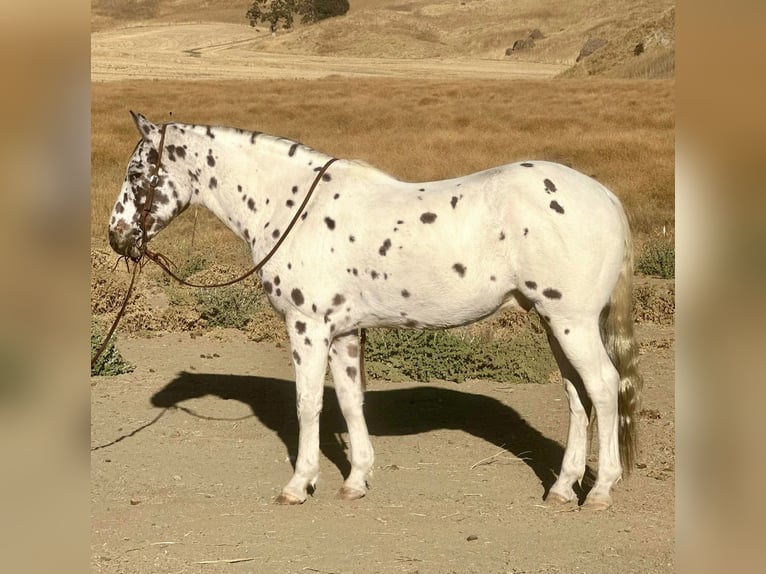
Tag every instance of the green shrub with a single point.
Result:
(658, 258)
(194, 264)
(231, 306)
(399, 355)
(110, 362)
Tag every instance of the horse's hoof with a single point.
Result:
(596, 504)
(348, 493)
(556, 499)
(287, 498)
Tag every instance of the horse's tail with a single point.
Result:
(620, 344)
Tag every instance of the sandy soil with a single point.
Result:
(189, 451)
(205, 51)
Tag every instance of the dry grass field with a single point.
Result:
(620, 132)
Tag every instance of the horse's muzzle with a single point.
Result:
(123, 241)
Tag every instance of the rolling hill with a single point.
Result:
(635, 38)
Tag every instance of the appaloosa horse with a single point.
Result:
(369, 250)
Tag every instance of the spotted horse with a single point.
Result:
(369, 250)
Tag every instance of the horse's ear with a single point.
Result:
(145, 127)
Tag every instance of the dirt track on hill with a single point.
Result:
(209, 51)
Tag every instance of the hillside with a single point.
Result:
(477, 29)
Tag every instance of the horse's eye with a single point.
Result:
(154, 180)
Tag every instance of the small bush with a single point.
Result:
(658, 258)
(193, 265)
(110, 362)
(231, 306)
(424, 355)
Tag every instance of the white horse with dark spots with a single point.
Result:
(369, 250)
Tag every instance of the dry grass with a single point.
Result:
(621, 132)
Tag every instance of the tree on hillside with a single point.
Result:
(273, 11)
(284, 11)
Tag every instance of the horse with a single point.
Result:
(370, 250)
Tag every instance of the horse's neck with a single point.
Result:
(256, 182)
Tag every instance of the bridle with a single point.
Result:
(154, 181)
(164, 262)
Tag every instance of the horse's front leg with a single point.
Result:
(310, 343)
(345, 354)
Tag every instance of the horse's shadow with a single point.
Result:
(391, 412)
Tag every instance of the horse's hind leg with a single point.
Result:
(347, 374)
(575, 454)
(582, 346)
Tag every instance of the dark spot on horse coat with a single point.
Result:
(277, 280)
(351, 372)
(405, 293)
(327, 177)
(330, 223)
(459, 269)
(453, 201)
(210, 158)
(267, 287)
(293, 147)
(300, 327)
(119, 208)
(275, 234)
(289, 203)
(181, 152)
(374, 274)
(531, 284)
(351, 238)
(549, 185)
(338, 299)
(502, 235)
(552, 293)
(526, 164)
(556, 207)
(297, 357)
(526, 230)
(209, 133)
(251, 204)
(428, 217)
(295, 189)
(385, 247)
(193, 175)
(353, 350)
(297, 296)
(566, 331)
(307, 342)
(213, 183)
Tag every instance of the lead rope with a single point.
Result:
(162, 261)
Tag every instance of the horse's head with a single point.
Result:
(149, 197)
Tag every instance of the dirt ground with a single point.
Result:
(189, 451)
